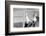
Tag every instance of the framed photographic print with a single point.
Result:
(24, 17)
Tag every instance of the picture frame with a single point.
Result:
(13, 9)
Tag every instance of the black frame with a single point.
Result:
(7, 3)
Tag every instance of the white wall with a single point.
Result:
(2, 17)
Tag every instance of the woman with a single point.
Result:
(28, 21)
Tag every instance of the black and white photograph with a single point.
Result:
(24, 17)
